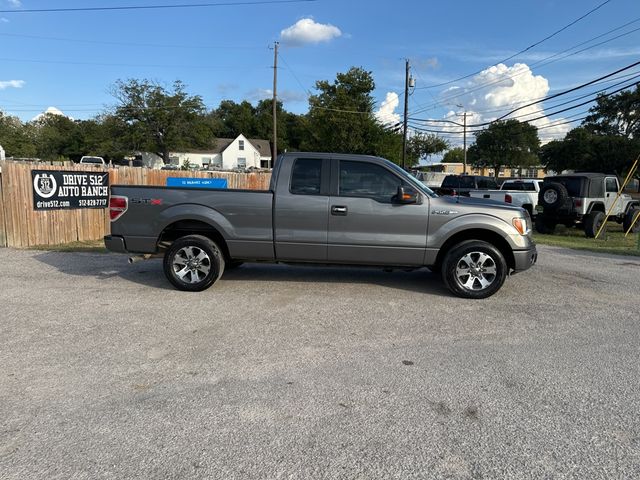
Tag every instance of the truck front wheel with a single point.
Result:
(474, 269)
(193, 263)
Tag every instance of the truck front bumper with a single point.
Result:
(525, 259)
(115, 244)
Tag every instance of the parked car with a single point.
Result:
(584, 199)
(324, 208)
(519, 192)
(463, 184)
(91, 160)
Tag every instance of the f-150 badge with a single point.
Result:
(443, 212)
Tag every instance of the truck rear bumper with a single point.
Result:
(525, 259)
(115, 243)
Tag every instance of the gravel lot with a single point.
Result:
(303, 373)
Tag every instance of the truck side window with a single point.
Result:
(359, 179)
(612, 185)
(306, 176)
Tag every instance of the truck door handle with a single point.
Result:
(338, 210)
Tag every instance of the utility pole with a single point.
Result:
(406, 113)
(464, 142)
(274, 154)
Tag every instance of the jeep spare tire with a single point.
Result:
(553, 195)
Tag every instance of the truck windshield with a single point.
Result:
(411, 179)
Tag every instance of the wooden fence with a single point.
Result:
(22, 226)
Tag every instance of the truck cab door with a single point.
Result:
(367, 224)
(301, 209)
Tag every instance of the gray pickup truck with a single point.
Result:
(327, 209)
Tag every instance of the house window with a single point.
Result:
(206, 161)
(217, 162)
(532, 173)
(240, 144)
(242, 162)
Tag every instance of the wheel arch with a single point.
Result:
(184, 227)
(596, 207)
(488, 236)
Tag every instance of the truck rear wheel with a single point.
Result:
(193, 263)
(474, 269)
(592, 223)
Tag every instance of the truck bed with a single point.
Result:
(245, 217)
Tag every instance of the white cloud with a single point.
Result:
(4, 20)
(307, 31)
(495, 92)
(15, 3)
(4, 84)
(386, 113)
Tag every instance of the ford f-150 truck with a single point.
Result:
(324, 208)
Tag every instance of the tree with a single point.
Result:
(422, 145)
(16, 138)
(617, 115)
(583, 150)
(341, 115)
(455, 155)
(56, 136)
(161, 120)
(507, 143)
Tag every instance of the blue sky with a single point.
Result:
(70, 60)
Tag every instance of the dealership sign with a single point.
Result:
(60, 189)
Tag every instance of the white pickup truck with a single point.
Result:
(519, 192)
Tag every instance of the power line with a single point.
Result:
(572, 89)
(495, 122)
(154, 7)
(540, 63)
(127, 44)
(590, 94)
(105, 64)
(525, 49)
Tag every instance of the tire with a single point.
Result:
(202, 254)
(629, 218)
(553, 195)
(592, 223)
(474, 269)
(544, 225)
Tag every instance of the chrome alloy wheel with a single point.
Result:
(191, 264)
(476, 271)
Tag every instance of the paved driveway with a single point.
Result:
(292, 372)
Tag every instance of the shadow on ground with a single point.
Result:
(149, 273)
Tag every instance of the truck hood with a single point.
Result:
(479, 202)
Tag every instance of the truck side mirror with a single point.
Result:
(404, 198)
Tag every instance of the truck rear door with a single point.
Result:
(365, 225)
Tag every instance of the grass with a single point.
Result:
(93, 246)
(612, 240)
